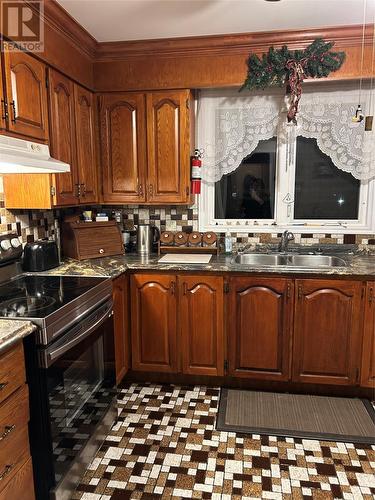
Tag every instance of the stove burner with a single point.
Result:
(25, 306)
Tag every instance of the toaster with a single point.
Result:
(40, 255)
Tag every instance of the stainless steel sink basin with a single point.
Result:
(260, 259)
(307, 261)
(315, 261)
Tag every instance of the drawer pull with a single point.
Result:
(3, 385)
(6, 471)
(8, 429)
(101, 250)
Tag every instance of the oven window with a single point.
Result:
(80, 389)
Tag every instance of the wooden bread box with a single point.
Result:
(89, 240)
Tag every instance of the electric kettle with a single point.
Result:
(147, 236)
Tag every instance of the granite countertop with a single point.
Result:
(11, 331)
(358, 265)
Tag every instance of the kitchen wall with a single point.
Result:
(32, 225)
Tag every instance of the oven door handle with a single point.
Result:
(59, 351)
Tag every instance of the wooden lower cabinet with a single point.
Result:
(154, 322)
(121, 326)
(368, 349)
(16, 473)
(177, 324)
(259, 327)
(201, 305)
(275, 329)
(327, 331)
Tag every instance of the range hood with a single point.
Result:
(18, 156)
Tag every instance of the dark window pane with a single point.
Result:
(249, 191)
(322, 191)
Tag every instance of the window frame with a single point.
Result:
(284, 211)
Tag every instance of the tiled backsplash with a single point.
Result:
(40, 224)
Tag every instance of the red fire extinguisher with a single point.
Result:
(196, 178)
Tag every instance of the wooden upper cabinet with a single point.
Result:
(26, 94)
(123, 140)
(201, 324)
(259, 327)
(3, 102)
(168, 146)
(62, 137)
(327, 332)
(368, 350)
(153, 322)
(86, 154)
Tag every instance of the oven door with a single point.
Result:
(78, 373)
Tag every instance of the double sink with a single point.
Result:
(291, 260)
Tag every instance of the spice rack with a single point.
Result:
(181, 242)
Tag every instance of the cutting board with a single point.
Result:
(185, 258)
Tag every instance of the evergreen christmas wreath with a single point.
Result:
(286, 67)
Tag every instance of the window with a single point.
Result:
(249, 191)
(322, 191)
(268, 192)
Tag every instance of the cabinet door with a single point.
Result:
(85, 133)
(120, 310)
(3, 102)
(201, 325)
(368, 351)
(27, 95)
(123, 142)
(153, 322)
(62, 136)
(168, 146)
(327, 331)
(259, 327)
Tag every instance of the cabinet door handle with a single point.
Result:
(8, 429)
(184, 288)
(300, 292)
(3, 385)
(14, 114)
(101, 250)
(151, 190)
(173, 287)
(4, 109)
(83, 190)
(6, 471)
(371, 295)
(78, 190)
(140, 190)
(288, 291)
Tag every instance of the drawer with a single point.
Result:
(14, 435)
(20, 484)
(12, 371)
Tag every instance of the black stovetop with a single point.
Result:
(38, 296)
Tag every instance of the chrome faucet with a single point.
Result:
(284, 241)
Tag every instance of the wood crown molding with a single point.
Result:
(258, 42)
(62, 22)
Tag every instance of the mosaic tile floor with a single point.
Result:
(165, 445)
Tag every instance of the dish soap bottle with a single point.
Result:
(228, 242)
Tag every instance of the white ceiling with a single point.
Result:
(113, 20)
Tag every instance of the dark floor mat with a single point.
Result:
(349, 420)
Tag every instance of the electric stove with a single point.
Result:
(53, 303)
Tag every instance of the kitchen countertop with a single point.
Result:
(358, 265)
(11, 331)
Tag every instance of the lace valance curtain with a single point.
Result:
(230, 126)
